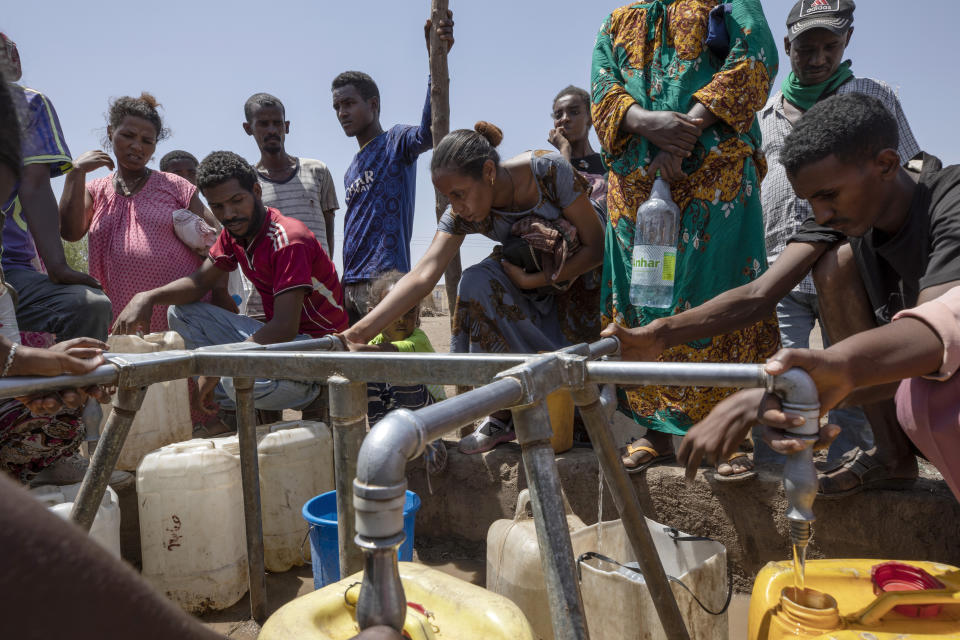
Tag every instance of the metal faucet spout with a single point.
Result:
(382, 601)
(799, 396)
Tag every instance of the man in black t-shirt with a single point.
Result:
(903, 226)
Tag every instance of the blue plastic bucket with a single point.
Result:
(321, 514)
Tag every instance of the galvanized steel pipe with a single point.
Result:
(348, 415)
(408, 368)
(549, 517)
(250, 478)
(380, 487)
(126, 403)
(596, 419)
(677, 374)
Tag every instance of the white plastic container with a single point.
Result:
(296, 464)
(616, 600)
(106, 525)
(164, 417)
(513, 564)
(191, 525)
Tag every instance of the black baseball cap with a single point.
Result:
(833, 15)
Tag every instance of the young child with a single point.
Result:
(403, 334)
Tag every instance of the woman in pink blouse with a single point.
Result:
(129, 213)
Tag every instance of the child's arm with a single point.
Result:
(379, 343)
(416, 342)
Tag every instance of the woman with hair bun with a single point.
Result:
(129, 213)
(539, 290)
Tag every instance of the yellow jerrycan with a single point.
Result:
(439, 607)
(856, 600)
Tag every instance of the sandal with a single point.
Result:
(733, 478)
(655, 457)
(870, 474)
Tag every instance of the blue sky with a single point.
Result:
(203, 59)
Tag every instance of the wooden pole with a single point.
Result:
(439, 127)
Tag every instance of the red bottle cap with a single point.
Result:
(898, 576)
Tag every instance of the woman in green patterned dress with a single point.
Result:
(663, 100)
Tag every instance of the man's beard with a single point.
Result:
(256, 222)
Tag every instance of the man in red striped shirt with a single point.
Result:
(297, 282)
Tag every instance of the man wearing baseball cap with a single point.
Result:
(818, 32)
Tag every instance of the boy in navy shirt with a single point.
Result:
(380, 183)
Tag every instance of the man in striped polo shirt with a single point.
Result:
(301, 188)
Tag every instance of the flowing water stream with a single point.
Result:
(799, 567)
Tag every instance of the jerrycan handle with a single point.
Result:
(885, 602)
(523, 501)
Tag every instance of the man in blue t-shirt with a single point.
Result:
(61, 301)
(380, 182)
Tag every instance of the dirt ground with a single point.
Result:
(437, 329)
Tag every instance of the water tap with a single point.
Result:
(799, 397)
(800, 487)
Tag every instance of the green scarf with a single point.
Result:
(805, 96)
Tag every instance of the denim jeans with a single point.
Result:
(797, 313)
(201, 324)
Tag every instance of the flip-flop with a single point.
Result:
(656, 457)
(735, 478)
(870, 473)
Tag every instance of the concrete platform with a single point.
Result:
(920, 523)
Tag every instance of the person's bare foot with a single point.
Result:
(738, 465)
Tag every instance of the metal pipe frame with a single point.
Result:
(348, 415)
(596, 412)
(532, 424)
(252, 515)
(380, 483)
(126, 403)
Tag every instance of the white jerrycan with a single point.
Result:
(513, 564)
(296, 463)
(191, 525)
(164, 417)
(106, 524)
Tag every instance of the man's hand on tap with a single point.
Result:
(717, 436)
(829, 369)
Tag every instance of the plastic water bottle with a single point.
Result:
(655, 249)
